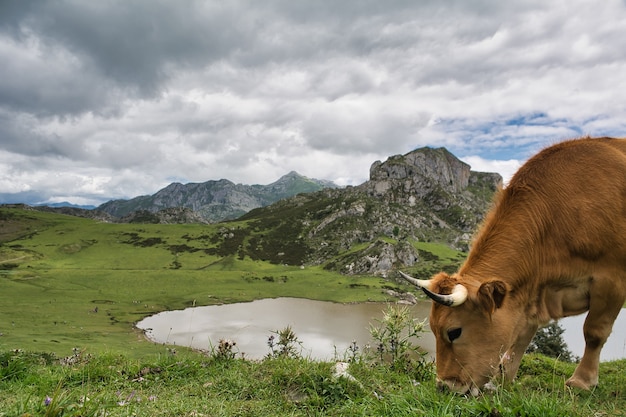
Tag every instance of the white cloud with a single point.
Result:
(113, 100)
(505, 168)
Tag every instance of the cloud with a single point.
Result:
(107, 99)
(505, 168)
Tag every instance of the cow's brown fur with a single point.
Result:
(553, 245)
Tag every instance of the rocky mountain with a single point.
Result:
(411, 203)
(214, 201)
(422, 196)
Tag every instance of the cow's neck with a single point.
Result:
(510, 245)
(519, 252)
(501, 252)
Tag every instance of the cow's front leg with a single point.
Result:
(603, 310)
(512, 358)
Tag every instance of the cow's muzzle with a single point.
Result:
(457, 387)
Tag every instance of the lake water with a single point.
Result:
(615, 347)
(325, 329)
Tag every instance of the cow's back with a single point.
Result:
(564, 208)
(578, 189)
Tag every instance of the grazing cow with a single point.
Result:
(553, 245)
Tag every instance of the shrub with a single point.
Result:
(549, 341)
(394, 335)
(285, 345)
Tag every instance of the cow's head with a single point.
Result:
(472, 329)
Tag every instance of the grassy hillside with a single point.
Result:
(72, 287)
(69, 281)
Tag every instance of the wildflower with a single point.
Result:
(47, 401)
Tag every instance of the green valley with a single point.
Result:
(72, 282)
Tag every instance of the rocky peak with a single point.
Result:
(419, 172)
(217, 200)
(427, 195)
(294, 183)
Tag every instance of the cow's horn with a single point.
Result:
(421, 283)
(458, 296)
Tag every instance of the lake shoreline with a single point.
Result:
(202, 327)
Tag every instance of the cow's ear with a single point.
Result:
(491, 295)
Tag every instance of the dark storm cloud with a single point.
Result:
(96, 53)
(20, 135)
(112, 98)
(88, 56)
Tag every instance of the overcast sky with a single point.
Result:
(114, 99)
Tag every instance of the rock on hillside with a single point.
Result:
(425, 195)
(437, 184)
(215, 201)
(419, 172)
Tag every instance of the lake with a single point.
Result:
(325, 329)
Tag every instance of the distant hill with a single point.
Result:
(71, 210)
(67, 204)
(427, 195)
(213, 201)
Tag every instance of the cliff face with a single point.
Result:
(442, 189)
(419, 172)
(426, 195)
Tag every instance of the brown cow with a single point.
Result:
(554, 245)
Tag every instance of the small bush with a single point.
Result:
(225, 350)
(394, 335)
(549, 341)
(285, 345)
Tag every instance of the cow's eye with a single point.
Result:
(454, 334)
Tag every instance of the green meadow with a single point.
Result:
(71, 290)
(72, 282)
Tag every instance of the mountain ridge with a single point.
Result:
(411, 201)
(215, 200)
(426, 195)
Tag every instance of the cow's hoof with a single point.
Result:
(579, 383)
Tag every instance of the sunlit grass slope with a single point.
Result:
(189, 384)
(72, 282)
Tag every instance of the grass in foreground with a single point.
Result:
(193, 384)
